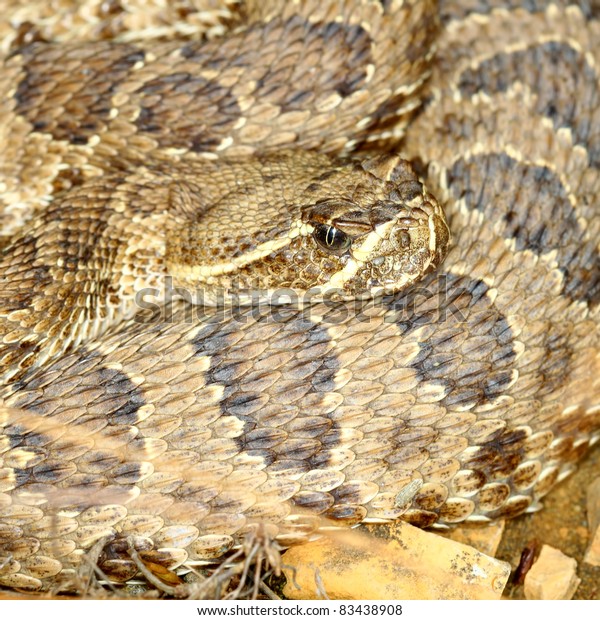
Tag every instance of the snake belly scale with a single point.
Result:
(178, 429)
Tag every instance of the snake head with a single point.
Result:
(384, 237)
(302, 226)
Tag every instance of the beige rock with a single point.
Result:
(592, 554)
(593, 504)
(485, 538)
(552, 577)
(417, 565)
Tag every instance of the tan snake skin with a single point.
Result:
(468, 396)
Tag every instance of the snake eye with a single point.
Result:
(331, 239)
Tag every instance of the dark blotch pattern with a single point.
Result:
(500, 457)
(459, 306)
(532, 206)
(118, 412)
(453, 9)
(343, 48)
(278, 424)
(173, 108)
(67, 89)
(565, 84)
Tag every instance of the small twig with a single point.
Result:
(91, 559)
(264, 588)
(101, 575)
(257, 576)
(320, 585)
(245, 568)
(293, 572)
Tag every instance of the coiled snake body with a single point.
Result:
(179, 429)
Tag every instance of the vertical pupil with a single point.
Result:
(331, 238)
(330, 235)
